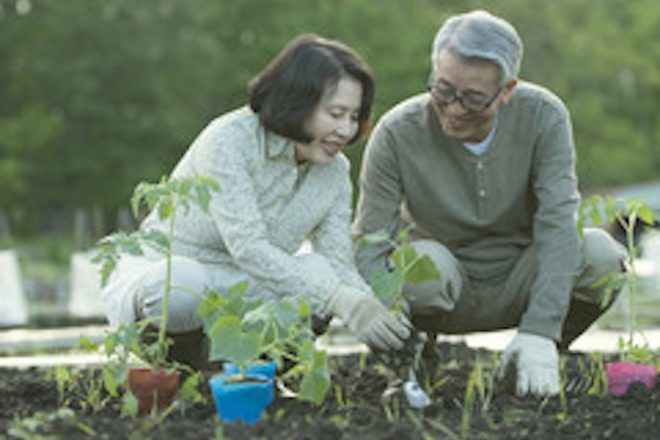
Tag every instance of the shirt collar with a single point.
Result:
(277, 145)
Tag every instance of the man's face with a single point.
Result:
(466, 96)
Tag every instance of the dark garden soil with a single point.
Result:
(353, 409)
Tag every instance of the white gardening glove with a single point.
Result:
(368, 319)
(537, 364)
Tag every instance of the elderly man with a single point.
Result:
(483, 167)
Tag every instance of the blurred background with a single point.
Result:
(98, 95)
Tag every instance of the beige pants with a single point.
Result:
(463, 305)
(135, 289)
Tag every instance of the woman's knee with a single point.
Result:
(189, 279)
(441, 294)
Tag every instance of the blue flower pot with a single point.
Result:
(268, 369)
(242, 401)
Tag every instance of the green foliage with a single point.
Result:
(172, 194)
(407, 267)
(82, 130)
(82, 388)
(244, 332)
(478, 392)
(29, 428)
(594, 372)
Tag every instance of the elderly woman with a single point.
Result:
(283, 180)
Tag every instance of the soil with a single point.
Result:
(354, 409)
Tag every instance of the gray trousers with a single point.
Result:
(456, 304)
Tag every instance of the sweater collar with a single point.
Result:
(277, 145)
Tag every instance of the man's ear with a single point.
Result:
(508, 90)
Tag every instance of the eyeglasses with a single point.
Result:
(444, 95)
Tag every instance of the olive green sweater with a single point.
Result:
(486, 209)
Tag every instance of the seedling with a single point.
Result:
(166, 199)
(406, 267)
(31, 427)
(84, 387)
(244, 332)
(478, 393)
(627, 214)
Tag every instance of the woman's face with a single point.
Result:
(333, 123)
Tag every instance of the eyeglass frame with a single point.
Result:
(455, 96)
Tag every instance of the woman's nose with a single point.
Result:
(344, 127)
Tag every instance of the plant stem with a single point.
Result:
(632, 277)
(162, 350)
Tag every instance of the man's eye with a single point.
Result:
(445, 91)
(477, 99)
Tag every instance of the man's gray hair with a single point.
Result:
(483, 36)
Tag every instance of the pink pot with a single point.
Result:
(620, 375)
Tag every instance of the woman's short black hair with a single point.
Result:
(288, 89)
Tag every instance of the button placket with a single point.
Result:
(481, 188)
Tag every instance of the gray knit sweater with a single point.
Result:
(485, 209)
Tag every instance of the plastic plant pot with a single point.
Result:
(153, 389)
(243, 401)
(268, 369)
(620, 375)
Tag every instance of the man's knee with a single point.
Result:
(603, 256)
(428, 297)
(602, 253)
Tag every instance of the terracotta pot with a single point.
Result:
(152, 387)
(620, 375)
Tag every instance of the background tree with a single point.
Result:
(96, 96)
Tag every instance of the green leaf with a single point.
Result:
(203, 197)
(423, 270)
(230, 343)
(86, 344)
(129, 405)
(646, 214)
(106, 270)
(281, 312)
(156, 239)
(403, 256)
(210, 308)
(189, 390)
(113, 376)
(316, 380)
(387, 285)
(165, 208)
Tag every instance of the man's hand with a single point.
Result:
(537, 364)
(368, 319)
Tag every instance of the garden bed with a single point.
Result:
(353, 408)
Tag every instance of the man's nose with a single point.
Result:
(455, 107)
